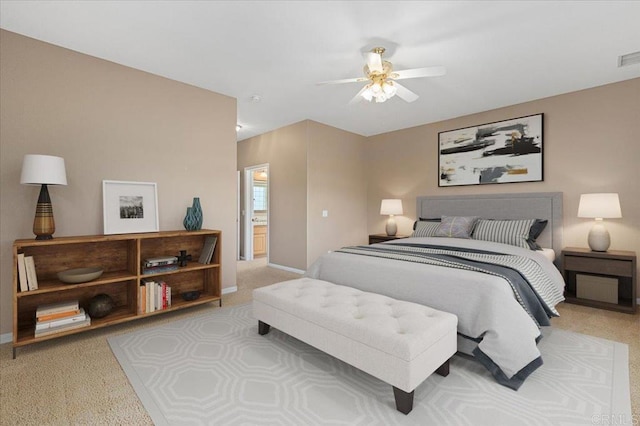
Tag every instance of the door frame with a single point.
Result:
(249, 208)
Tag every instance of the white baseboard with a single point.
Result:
(228, 290)
(286, 268)
(6, 338)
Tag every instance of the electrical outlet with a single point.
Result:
(325, 213)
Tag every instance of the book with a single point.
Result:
(147, 284)
(142, 303)
(159, 261)
(22, 273)
(158, 294)
(62, 328)
(159, 269)
(58, 315)
(54, 308)
(42, 325)
(208, 249)
(32, 277)
(150, 301)
(164, 295)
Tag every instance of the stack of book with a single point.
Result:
(207, 249)
(158, 265)
(27, 278)
(59, 317)
(154, 296)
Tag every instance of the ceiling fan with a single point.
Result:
(381, 79)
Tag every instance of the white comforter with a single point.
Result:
(485, 304)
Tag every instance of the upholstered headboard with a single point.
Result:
(534, 205)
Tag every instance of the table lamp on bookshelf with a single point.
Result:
(43, 170)
(598, 207)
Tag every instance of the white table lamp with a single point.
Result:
(599, 206)
(43, 170)
(391, 207)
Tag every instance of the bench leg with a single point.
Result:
(404, 400)
(443, 370)
(263, 328)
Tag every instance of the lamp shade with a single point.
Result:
(391, 206)
(601, 206)
(43, 169)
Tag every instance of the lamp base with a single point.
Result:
(391, 227)
(43, 224)
(599, 239)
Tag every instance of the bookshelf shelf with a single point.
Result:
(121, 257)
(56, 286)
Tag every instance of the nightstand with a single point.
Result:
(605, 280)
(381, 238)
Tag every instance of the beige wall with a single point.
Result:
(591, 144)
(337, 183)
(312, 167)
(109, 122)
(285, 150)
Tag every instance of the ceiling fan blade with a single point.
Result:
(374, 62)
(405, 93)
(346, 80)
(419, 72)
(357, 98)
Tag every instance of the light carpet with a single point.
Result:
(216, 369)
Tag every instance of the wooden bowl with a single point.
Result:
(79, 275)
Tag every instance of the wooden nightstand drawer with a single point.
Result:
(621, 268)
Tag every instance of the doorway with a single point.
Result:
(256, 219)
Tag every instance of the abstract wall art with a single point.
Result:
(501, 152)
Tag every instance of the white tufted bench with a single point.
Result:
(401, 343)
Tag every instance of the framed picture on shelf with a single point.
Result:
(501, 152)
(129, 207)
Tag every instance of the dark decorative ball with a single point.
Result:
(100, 305)
(190, 295)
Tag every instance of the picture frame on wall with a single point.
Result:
(505, 151)
(129, 207)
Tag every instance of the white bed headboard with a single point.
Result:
(534, 205)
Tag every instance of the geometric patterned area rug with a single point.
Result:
(215, 369)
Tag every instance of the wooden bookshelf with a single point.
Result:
(121, 258)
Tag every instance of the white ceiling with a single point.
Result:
(496, 53)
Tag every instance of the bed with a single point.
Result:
(498, 323)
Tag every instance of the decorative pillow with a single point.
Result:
(456, 226)
(422, 219)
(535, 231)
(512, 232)
(425, 229)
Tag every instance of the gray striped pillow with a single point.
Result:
(425, 229)
(512, 232)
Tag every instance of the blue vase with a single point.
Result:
(190, 221)
(197, 212)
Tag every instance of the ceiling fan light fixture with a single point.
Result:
(389, 89)
(379, 91)
(380, 79)
(368, 94)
